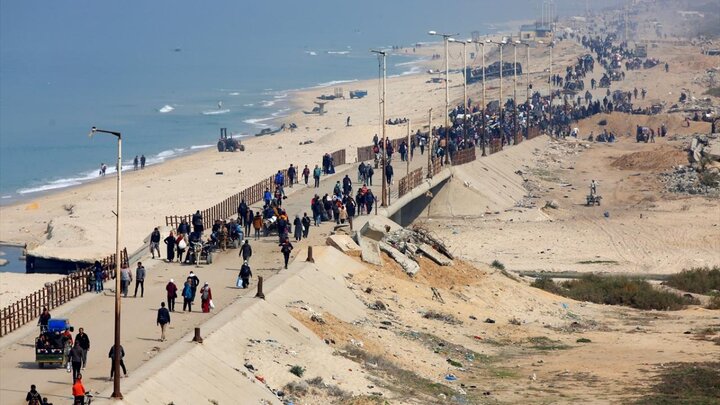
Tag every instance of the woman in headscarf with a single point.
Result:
(298, 227)
(170, 242)
(205, 297)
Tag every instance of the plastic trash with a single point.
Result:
(450, 377)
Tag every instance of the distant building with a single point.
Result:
(532, 32)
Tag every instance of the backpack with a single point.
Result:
(34, 398)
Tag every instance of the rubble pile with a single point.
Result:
(686, 180)
(711, 78)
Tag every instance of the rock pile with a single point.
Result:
(685, 179)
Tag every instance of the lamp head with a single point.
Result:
(92, 132)
(432, 33)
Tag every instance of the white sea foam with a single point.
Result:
(195, 147)
(166, 108)
(338, 52)
(335, 82)
(311, 53)
(281, 96)
(249, 105)
(6, 196)
(215, 112)
(267, 103)
(234, 93)
(258, 121)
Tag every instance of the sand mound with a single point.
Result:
(652, 160)
(625, 125)
(488, 184)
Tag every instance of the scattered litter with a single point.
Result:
(450, 377)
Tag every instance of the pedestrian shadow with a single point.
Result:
(149, 339)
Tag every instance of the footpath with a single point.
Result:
(140, 335)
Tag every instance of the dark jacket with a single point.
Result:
(155, 237)
(245, 271)
(84, 340)
(111, 354)
(76, 354)
(163, 316)
(246, 250)
(171, 290)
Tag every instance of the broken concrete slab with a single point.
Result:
(345, 244)
(377, 227)
(405, 262)
(342, 229)
(369, 250)
(434, 255)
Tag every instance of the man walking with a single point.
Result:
(111, 355)
(286, 247)
(306, 174)
(125, 279)
(142, 161)
(316, 176)
(140, 279)
(84, 341)
(76, 354)
(163, 318)
(194, 283)
(171, 289)
(245, 274)
(155, 243)
(246, 251)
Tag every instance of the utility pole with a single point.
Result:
(407, 149)
(484, 127)
(446, 38)
(382, 55)
(430, 143)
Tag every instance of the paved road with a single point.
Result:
(140, 335)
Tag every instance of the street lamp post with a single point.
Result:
(465, 98)
(484, 102)
(550, 45)
(118, 259)
(502, 107)
(527, 83)
(383, 56)
(446, 38)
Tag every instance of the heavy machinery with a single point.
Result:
(228, 143)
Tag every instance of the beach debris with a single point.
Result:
(409, 266)
(378, 306)
(316, 317)
(552, 204)
(489, 320)
(451, 377)
(440, 316)
(436, 295)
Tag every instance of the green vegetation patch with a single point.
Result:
(615, 290)
(685, 384)
(698, 280)
(545, 343)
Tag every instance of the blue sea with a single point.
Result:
(156, 71)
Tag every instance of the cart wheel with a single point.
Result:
(41, 365)
(209, 258)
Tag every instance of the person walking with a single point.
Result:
(99, 277)
(206, 298)
(163, 318)
(78, 390)
(316, 176)
(84, 341)
(389, 173)
(142, 161)
(246, 251)
(306, 225)
(140, 279)
(111, 355)
(171, 289)
(194, 283)
(257, 225)
(170, 245)
(125, 280)
(286, 247)
(342, 214)
(76, 354)
(155, 243)
(306, 174)
(187, 296)
(180, 245)
(244, 276)
(33, 396)
(297, 228)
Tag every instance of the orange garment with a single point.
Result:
(78, 389)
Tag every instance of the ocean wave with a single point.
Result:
(267, 103)
(335, 82)
(234, 93)
(409, 63)
(215, 112)
(281, 96)
(258, 121)
(249, 105)
(338, 52)
(195, 147)
(311, 53)
(166, 109)
(280, 112)
(412, 71)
